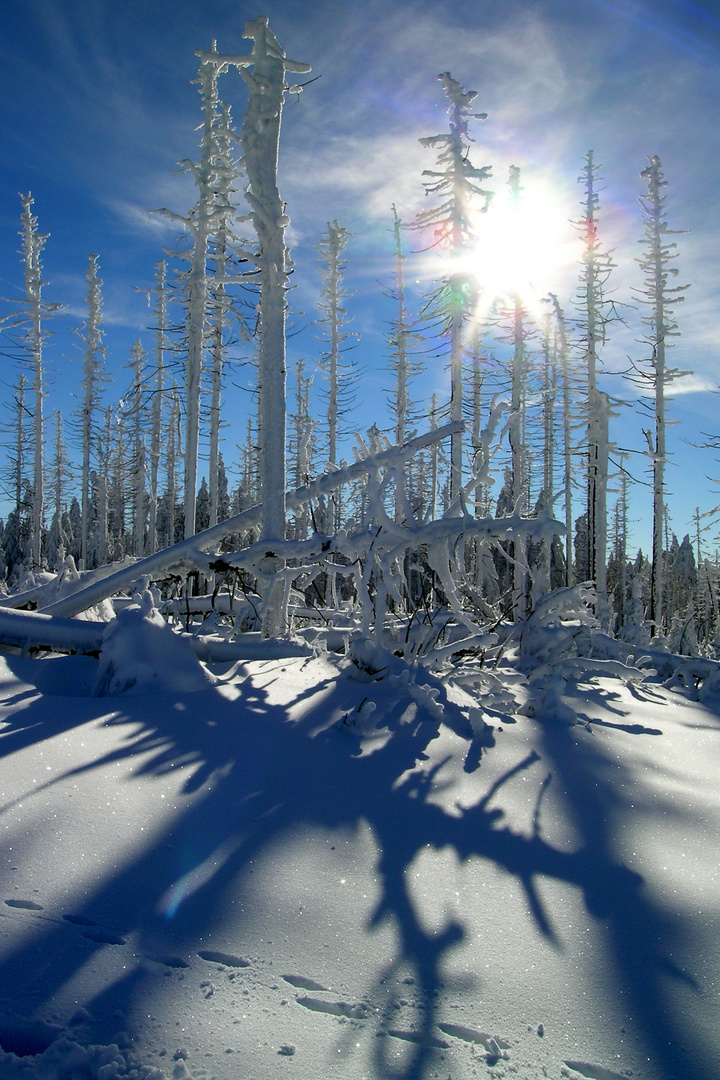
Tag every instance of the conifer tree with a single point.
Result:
(33, 243)
(562, 350)
(33, 311)
(138, 357)
(161, 345)
(456, 187)
(596, 268)
(660, 298)
(91, 337)
(403, 366)
(333, 321)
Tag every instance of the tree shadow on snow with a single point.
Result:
(254, 776)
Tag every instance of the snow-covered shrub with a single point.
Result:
(140, 653)
(558, 627)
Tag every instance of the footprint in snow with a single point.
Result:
(492, 1044)
(93, 931)
(104, 936)
(26, 905)
(226, 959)
(593, 1072)
(417, 1038)
(334, 1008)
(301, 983)
(168, 961)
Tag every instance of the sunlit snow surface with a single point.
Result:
(269, 877)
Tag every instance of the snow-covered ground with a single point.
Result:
(291, 868)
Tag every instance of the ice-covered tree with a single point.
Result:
(403, 365)
(156, 426)
(16, 444)
(561, 349)
(267, 86)
(91, 338)
(173, 453)
(33, 242)
(659, 295)
(333, 321)
(59, 476)
(301, 443)
(138, 358)
(593, 319)
(224, 312)
(455, 188)
(208, 220)
(30, 320)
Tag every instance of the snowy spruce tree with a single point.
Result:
(455, 188)
(30, 320)
(161, 329)
(659, 296)
(337, 373)
(91, 338)
(593, 311)
(402, 364)
(211, 234)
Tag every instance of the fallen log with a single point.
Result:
(37, 630)
(182, 554)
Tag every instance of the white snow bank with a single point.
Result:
(141, 654)
(67, 1060)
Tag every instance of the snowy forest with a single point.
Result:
(344, 732)
(532, 494)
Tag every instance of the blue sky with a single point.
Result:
(98, 107)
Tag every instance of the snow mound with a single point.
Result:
(141, 654)
(65, 1059)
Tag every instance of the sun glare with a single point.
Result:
(525, 247)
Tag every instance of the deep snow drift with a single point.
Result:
(321, 868)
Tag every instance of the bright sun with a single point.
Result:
(524, 249)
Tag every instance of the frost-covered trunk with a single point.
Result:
(660, 298)
(333, 319)
(434, 461)
(197, 290)
(400, 363)
(172, 454)
(457, 184)
(303, 435)
(549, 390)
(137, 363)
(59, 467)
(157, 404)
(456, 373)
(102, 510)
(217, 357)
(19, 463)
(260, 141)
(564, 358)
(596, 269)
(222, 244)
(517, 457)
(476, 382)
(33, 243)
(92, 341)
